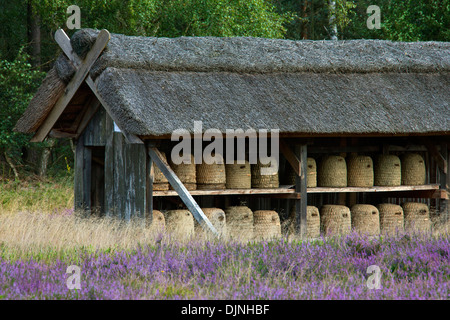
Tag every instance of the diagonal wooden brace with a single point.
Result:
(72, 87)
(291, 157)
(184, 194)
(64, 42)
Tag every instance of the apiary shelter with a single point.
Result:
(121, 97)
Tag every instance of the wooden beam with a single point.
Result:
(301, 187)
(184, 194)
(64, 42)
(434, 152)
(87, 116)
(290, 157)
(72, 87)
(149, 190)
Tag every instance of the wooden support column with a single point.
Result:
(184, 194)
(301, 187)
(149, 190)
(443, 180)
(82, 185)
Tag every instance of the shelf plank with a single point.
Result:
(374, 189)
(286, 192)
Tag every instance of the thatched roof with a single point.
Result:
(157, 85)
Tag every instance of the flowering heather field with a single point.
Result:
(412, 267)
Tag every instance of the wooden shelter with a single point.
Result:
(121, 97)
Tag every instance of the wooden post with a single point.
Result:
(300, 187)
(149, 191)
(183, 193)
(443, 179)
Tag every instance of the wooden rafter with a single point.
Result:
(64, 42)
(183, 193)
(72, 87)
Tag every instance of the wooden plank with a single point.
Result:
(279, 191)
(87, 181)
(109, 177)
(301, 187)
(64, 42)
(150, 174)
(87, 116)
(72, 87)
(434, 152)
(119, 175)
(78, 179)
(290, 157)
(373, 189)
(184, 194)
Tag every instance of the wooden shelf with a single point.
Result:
(283, 191)
(431, 190)
(374, 189)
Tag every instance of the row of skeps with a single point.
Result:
(216, 176)
(362, 171)
(332, 171)
(239, 222)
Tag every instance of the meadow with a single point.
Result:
(40, 236)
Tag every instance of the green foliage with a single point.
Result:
(18, 82)
(402, 20)
(171, 18)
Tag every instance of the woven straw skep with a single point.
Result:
(332, 172)
(260, 180)
(238, 176)
(312, 222)
(180, 223)
(366, 219)
(387, 171)
(360, 171)
(311, 174)
(391, 218)
(217, 217)
(186, 172)
(413, 169)
(266, 225)
(158, 223)
(417, 217)
(335, 219)
(160, 182)
(211, 176)
(239, 223)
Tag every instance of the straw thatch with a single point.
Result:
(266, 225)
(157, 85)
(360, 171)
(417, 217)
(332, 172)
(239, 223)
(413, 169)
(335, 219)
(180, 223)
(311, 174)
(391, 218)
(217, 218)
(186, 172)
(312, 222)
(211, 176)
(238, 176)
(41, 104)
(387, 171)
(262, 180)
(158, 223)
(365, 219)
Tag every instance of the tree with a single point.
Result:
(18, 82)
